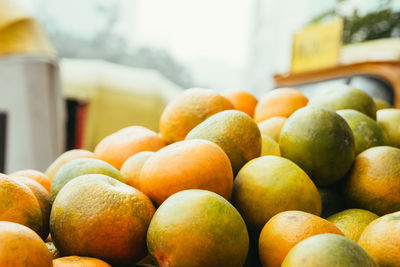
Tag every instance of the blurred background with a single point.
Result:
(72, 71)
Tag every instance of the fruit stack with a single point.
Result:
(228, 181)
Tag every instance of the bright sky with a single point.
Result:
(192, 29)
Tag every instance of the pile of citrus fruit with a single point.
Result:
(228, 181)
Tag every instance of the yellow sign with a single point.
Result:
(317, 46)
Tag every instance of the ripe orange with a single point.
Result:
(235, 132)
(268, 185)
(119, 146)
(18, 204)
(279, 102)
(78, 261)
(43, 198)
(65, 158)
(381, 239)
(20, 246)
(189, 164)
(38, 176)
(272, 127)
(352, 221)
(98, 216)
(197, 228)
(187, 110)
(389, 120)
(285, 230)
(242, 101)
(131, 168)
(374, 182)
(328, 250)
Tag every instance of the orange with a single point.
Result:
(374, 180)
(328, 250)
(131, 168)
(352, 221)
(190, 164)
(272, 127)
(279, 102)
(268, 185)
(18, 204)
(389, 120)
(197, 228)
(235, 132)
(97, 216)
(187, 110)
(344, 97)
(119, 146)
(285, 230)
(78, 261)
(320, 142)
(242, 101)
(38, 176)
(381, 239)
(65, 158)
(43, 198)
(20, 246)
(269, 147)
(53, 250)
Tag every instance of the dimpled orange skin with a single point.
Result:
(242, 101)
(285, 230)
(190, 164)
(119, 146)
(18, 204)
(280, 102)
(38, 176)
(65, 158)
(131, 168)
(381, 239)
(374, 180)
(98, 216)
(77, 261)
(20, 246)
(44, 200)
(188, 110)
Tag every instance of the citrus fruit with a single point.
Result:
(43, 198)
(269, 146)
(328, 250)
(53, 250)
(345, 97)
(381, 104)
(18, 204)
(366, 131)
(131, 168)
(190, 164)
(235, 132)
(285, 230)
(187, 110)
(374, 182)
(272, 127)
(116, 148)
(65, 158)
(243, 101)
(332, 201)
(279, 102)
(320, 142)
(268, 185)
(352, 221)
(381, 239)
(78, 167)
(197, 228)
(78, 261)
(98, 216)
(20, 246)
(389, 120)
(39, 177)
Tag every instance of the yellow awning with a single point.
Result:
(20, 33)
